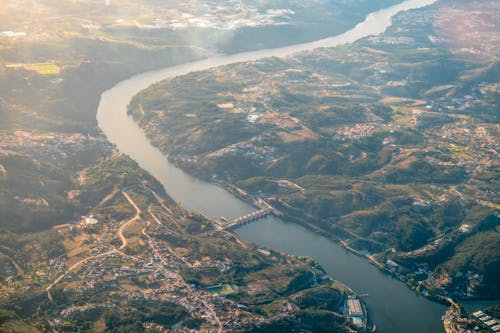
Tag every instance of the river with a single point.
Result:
(392, 306)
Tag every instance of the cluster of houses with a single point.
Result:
(487, 320)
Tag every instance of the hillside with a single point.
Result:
(389, 144)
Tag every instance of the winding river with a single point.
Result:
(392, 306)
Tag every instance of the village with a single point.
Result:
(385, 122)
(101, 258)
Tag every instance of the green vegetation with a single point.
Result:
(60, 273)
(324, 298)
(387, 144)
(314, 321)
(478, 253)
(494, 311)
(128, 318)
(117, 303)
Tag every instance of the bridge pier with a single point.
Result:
(268, 210)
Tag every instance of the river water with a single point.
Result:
(392, 306)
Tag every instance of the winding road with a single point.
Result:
(74, 266)
(124, 226)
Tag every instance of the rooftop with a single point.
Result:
(354, 306)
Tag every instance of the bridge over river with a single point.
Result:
(266, 210)
(392, 306)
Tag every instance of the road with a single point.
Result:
(157, 220)
(18, 268)
(126, 224)
(360, 237)
(151, 242)
(74, 266)
(160, 201)
(84, 260)
(107, 198)
(169, 214)
(186, 285)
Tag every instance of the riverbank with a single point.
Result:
(351, 185)
(290, 217)
(388, 298)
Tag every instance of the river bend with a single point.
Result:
(393, 307)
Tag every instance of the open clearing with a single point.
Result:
(40, 68)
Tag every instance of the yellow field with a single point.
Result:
(127, 286)
(40, 68)
(297, 136)
(43, 69)
(224, 290)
